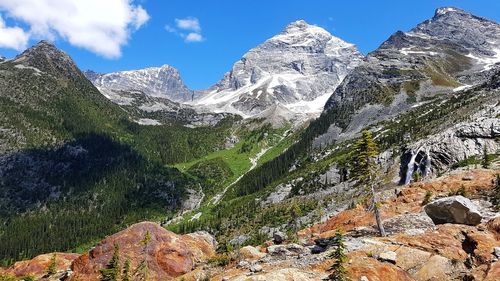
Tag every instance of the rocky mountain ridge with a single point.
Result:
(450, 52)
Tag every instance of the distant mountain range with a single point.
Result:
(288, 77)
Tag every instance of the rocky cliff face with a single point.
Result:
(439, 152)
(164, 81)
(296, 70)
(447, 53)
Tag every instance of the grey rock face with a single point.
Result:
(439, 152)
(449, 52)
(455, 209)
(164, 81)
(297, 68)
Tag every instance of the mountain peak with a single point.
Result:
(448, 10)
(298, 24)
(43, 47)
(48, 58)
(301, 27)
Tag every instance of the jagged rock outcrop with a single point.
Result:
(164, 82)
(455, 209)
(165, 254)
(295, 70)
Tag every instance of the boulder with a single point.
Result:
(256, 268)
(279, 237)
(166, 254)
(251, 253)
(455, 209)
(286, 250)
(388, 256)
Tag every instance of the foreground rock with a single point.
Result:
(165, 254)
(39, 265)
(456, 209)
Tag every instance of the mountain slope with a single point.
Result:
(293, 73)
(452, 51)
(69, 155)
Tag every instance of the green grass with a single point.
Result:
(238, 157)
(238, 162)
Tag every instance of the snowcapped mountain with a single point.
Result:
(164, 81)
(292, 73)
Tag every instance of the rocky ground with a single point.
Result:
(463, 245)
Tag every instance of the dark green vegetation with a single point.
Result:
(112, 270)
(74, 166)
(338, 272)
(496, 192)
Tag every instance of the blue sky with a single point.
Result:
(225, 29)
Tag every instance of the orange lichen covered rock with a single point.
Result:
(409, 200)
(375, 270)
(494, 272)
(493, 225)
(148, 247)
(38, 266)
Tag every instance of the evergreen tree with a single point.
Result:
(142, 268)
(486, 158)
(126, 271)
(337, 270)
(496, 192)
(112, 270)
(365, 170)
(52, 267)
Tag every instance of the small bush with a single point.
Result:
(427, 198)
(220, 260)
(461, 191)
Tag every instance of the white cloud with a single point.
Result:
(193, 37)
(12, 37)
(170, 29)
(101, 26)
(190, 25)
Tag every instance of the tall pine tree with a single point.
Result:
(365, 170)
